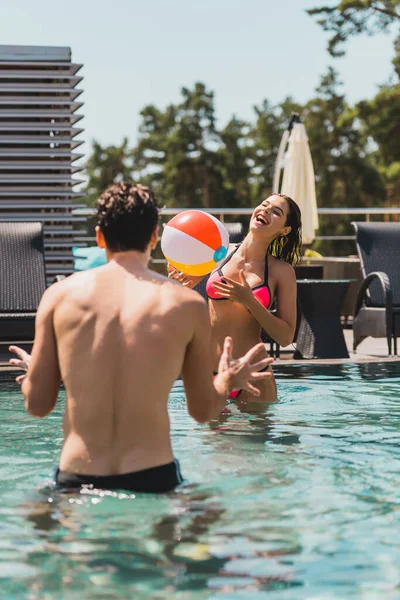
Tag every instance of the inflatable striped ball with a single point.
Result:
(194, 242)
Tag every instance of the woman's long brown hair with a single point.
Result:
(291, 251)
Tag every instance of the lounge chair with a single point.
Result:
(377, 307)
(22, 279)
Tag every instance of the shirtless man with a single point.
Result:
(118, 336)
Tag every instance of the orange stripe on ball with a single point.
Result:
(199, 225)
(194, 270)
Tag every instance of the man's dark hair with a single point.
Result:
(127, 216)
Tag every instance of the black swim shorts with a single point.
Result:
(156, 480)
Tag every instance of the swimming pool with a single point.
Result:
(298, 501)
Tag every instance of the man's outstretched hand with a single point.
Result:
(22, 362)
(242, 371)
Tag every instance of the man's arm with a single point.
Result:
(41, 385)
(203, 401)
(205, 396)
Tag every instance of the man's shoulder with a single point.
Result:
(52, 295)
(184, 295)
(79, 282)
(76, 280)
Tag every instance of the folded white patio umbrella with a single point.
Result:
(298, 179)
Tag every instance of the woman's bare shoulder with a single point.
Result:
(280, 267)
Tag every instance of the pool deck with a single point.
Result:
(370, 350)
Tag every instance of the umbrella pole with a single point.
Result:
(279, 161)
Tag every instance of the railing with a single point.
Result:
(221, 213)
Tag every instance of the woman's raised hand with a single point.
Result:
(179, 276)
(238, 291)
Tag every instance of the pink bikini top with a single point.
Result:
(261, 291)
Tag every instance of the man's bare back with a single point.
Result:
(121, 340)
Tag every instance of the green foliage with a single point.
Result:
(348, 18)
(105, 166)
(234, 164)
(191, 162)
(176, 150)
(346, 174)
(381, 119)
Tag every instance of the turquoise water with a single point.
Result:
(297, 501)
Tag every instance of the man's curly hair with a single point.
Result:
(127, 216)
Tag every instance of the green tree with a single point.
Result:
(106, 165)
(234, 164)
(380, 118)
(348, 18)
(177, 151)
(344, 163)
(191, 163)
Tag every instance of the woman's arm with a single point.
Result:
(282, 328)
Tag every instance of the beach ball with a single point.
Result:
(194, 242)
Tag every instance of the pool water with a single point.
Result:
(299, 500)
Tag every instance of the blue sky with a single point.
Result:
(141, 52)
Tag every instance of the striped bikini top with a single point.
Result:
(261, 291)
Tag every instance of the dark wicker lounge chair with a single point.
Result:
(377, 309)
(22, 279)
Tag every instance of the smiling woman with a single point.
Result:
(255, 275)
